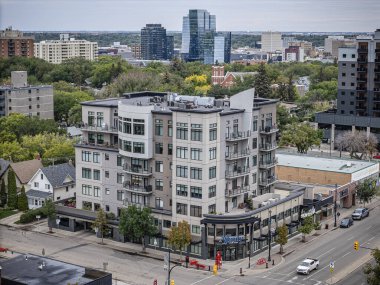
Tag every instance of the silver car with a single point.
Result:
(360, 213)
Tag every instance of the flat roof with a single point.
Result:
(347, 166)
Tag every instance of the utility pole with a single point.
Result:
(269, 234)
(335, 205)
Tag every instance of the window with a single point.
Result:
(254, 178)
(96, 157)
(159, 148)
(138, 147)
(159, 184)
(351, 103)
(138, 127)
(86, 173)
(96, 174)
(343, 74)
(212, 172)
(254, 143)
(195, 211)
(196, 173)
(352, 55)
(106, 156)
(107, 174)
(212, 209)
(343, 64)
(126, 146)
(254, 123)
(99, 119)
(196, 154)
(343, 83)
(36, 184)
(86, 189)
(195, 229)
(342, 102)
(119, 161)
(125, 125)
(352, 83)
(159, 203)
(343, 93)
(196, 132)
(213, 132)
(166, 224)
(254, 160)
(86, 156)
(170, 149)
(344, 55)
(196, 192)
(181, 152)
(159, 166)
(181, 171)
(170, 128)
(288, 212)
(91, 118)
(159, 128)
(100, 138)
(182, 131)
(212, 153)
(181, 190)
(212, 191)
(181, 209)
(119, 178)
(42, 176)
(120, 195)
(107, 208)
(107, 191)
(96, 191)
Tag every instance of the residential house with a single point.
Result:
(24, 171)
(4, 165)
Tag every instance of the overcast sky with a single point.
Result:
(231, 15)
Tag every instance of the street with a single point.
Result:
(336, 245)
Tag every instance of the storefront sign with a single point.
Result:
(231, 239)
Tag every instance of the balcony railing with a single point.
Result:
(361, 108)
(362, 50)
(268, 147)
(361, 69)
(105, 129)
(128, 202)
(362, 60)
(376, 90)
(361, 79)
(361, 88)
(377, 59)
(101, 145)
(360, 98)
(377, 70)
(268, 163)
(376, 99)
(131, 169)
(130, 187)
(377, 50)
(269, 129)
(238, 136)
(240, 171)
(267, 181)
(236, 191)
(237, 155)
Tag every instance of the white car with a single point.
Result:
(308, 265)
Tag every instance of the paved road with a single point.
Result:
(135, 270)
(356, 277)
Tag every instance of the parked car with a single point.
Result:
(360, 213)
(346, 223)
(308, 265)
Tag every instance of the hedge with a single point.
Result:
(30, 215)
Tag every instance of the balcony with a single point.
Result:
(361, 88)
(361, 98)
(105, 129)
(127, 202)
(361, 108)
(240, 171)
(146, 190)
(376, 90)
(377, 70)
(267, 181)
(237, 155)
(361, 69)
(268, 147)
(377, 60)
(362, 60)
(376, 80)
(361, 79)
(362, 50)
(236, 191)
(377, 50)
(136, 170)
(268, 163)
(376, 99)
(94, 145)
(236, 136)
(268, 130)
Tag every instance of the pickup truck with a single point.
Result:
(308, 265)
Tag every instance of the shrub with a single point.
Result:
(30, 215)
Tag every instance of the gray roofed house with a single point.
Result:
(57, 174)
(4, 165)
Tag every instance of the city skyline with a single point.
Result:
(132, 15)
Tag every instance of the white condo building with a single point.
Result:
(271, 41)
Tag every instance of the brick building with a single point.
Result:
(14, 43)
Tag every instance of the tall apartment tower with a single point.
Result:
(14, 43)
(358, 101)
(56, 51)
(271, 41)
(155, 45)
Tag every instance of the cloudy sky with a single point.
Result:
(235, 15)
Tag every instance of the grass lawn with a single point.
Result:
(6, 213)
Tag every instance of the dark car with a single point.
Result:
(346, 223)
(360, 213)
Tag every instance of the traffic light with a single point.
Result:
(172, 282)
(215, 269)
(356, 245)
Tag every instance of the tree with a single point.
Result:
(179, 236)
(12, 190)
(22, 201)
(282, 237)
(373, 271)
(302, 136)
(100, 223)
(3, 194)
(64, 101)
(140, 223)
(284, 117)
(306, 227)
(357, 143)
(123, 222)
(262, 83)
(366, 190)
(49, 211)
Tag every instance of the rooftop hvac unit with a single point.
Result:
(265, 203)
(272, 200)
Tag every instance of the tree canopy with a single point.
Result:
(373, 271)
(179, 236)
(302, 136)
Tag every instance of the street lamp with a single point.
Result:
(269, 234)
(335, 205)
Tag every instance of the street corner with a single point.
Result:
(263, 264)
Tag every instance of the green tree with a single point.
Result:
(140, 223)
(49, 211)
(284, 117)
(3, 194)
(123, 229)
(302, 136)
(64, 101)
(14, 151)
(12, 190)
(179, 236)
(262, 83)
(22, 200)
(282, 237)
(366, 190)
(373, 271)
(100, 223)
(75, 115)
(307, 227)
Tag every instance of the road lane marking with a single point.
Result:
(199, 281)
(350, 238)
(346, 254)
(371, 239)
(224, 280)
(325, 253)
